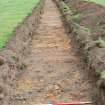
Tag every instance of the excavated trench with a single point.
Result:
(55, 71)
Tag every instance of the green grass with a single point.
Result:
(102, 2)
(13, 12)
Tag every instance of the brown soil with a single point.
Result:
(92, 16)
(92, 19)
(13, 55)
(91, 13)
(54, 71)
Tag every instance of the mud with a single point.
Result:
(43, 64)
(54, 72)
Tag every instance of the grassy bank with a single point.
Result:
(13, 12)
(102, 2)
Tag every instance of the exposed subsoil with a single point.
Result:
(55, 71)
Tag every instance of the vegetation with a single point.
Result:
(102, 2)
(73, 14)
(65, 7)
(12, 12)
(103, 74)
(101, 42)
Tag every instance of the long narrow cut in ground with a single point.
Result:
(54, 72)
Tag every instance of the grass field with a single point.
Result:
(13, 12)
(102, 2)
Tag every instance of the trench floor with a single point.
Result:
(54, 69)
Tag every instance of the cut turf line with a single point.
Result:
(12, 13)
